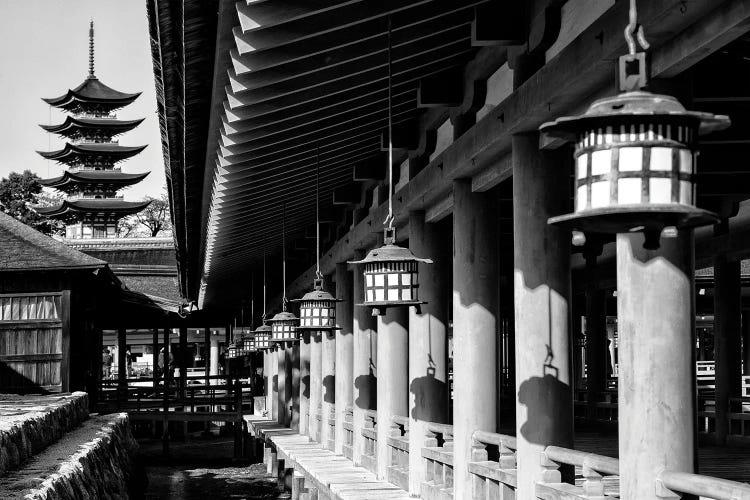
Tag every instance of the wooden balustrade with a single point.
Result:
(398, 447)
(597, 473)
(739, 421)
(348, 432)
(492, 466)
(370, 435)
(672, 485)
(437, 454)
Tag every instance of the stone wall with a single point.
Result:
(28, 424)
(95, 469)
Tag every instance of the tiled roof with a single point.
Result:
(24, 248)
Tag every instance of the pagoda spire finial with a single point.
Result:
(91, 49)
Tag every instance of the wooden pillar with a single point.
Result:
(393, 377)
(165, 395)
(596, 331)
(475, 325)
(155, 359)
(65, 306)
(328, 381)
(344, 351)
(364, 363)
(122, 384)
(727, 340)
(281, 383)
(304, 382)
(207, 350)
(273, 361)
(316, 385)
(268, 379)
(656, 399)
(544, 401)
(428, 343)
(182, 361)
(295, 377)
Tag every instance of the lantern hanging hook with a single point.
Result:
(388, 222)
(634, 28)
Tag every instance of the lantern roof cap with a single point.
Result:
(636, 104)
(284, 316)
(262, 329)
(390, 252)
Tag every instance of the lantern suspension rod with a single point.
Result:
(263, 318)
(389, 220)
(634, 28)
(283, 256)
(318, 274)
(252, 299)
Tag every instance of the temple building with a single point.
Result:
(92, 153)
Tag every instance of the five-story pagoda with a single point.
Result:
(92, 180)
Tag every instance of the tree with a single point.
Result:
(154, 219)
(18, 193)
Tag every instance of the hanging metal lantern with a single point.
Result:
(262, 337)
(232, 351)
(248, 343)
(391, 276)
(317, 309)
(284, 327)
(635, 158)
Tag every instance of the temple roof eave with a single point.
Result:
(71, 150)
(94, 177)
(92, 91)
(72, 123)
(117, 208)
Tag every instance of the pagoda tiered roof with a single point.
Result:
(71, 180)
(73, 125)
(92, 94)
(94, 207)
(73, 153)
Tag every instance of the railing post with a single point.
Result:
(478, 483)
(549, 469)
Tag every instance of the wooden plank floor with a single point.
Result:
(334, 476)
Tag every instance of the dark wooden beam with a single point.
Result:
(441, 90)
(499, 22)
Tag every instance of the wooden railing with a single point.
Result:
(437, 454)
(398, 448)
(349, 432)
(370, 435)
(599, 475)
(670, 484)
(739, 421)
(493, 466)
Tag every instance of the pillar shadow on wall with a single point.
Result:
(265, 383)
(305, 381)
(329, 388)
(426, 389)
(275, 383)
(367, 394)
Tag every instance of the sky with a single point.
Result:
(44, 52)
